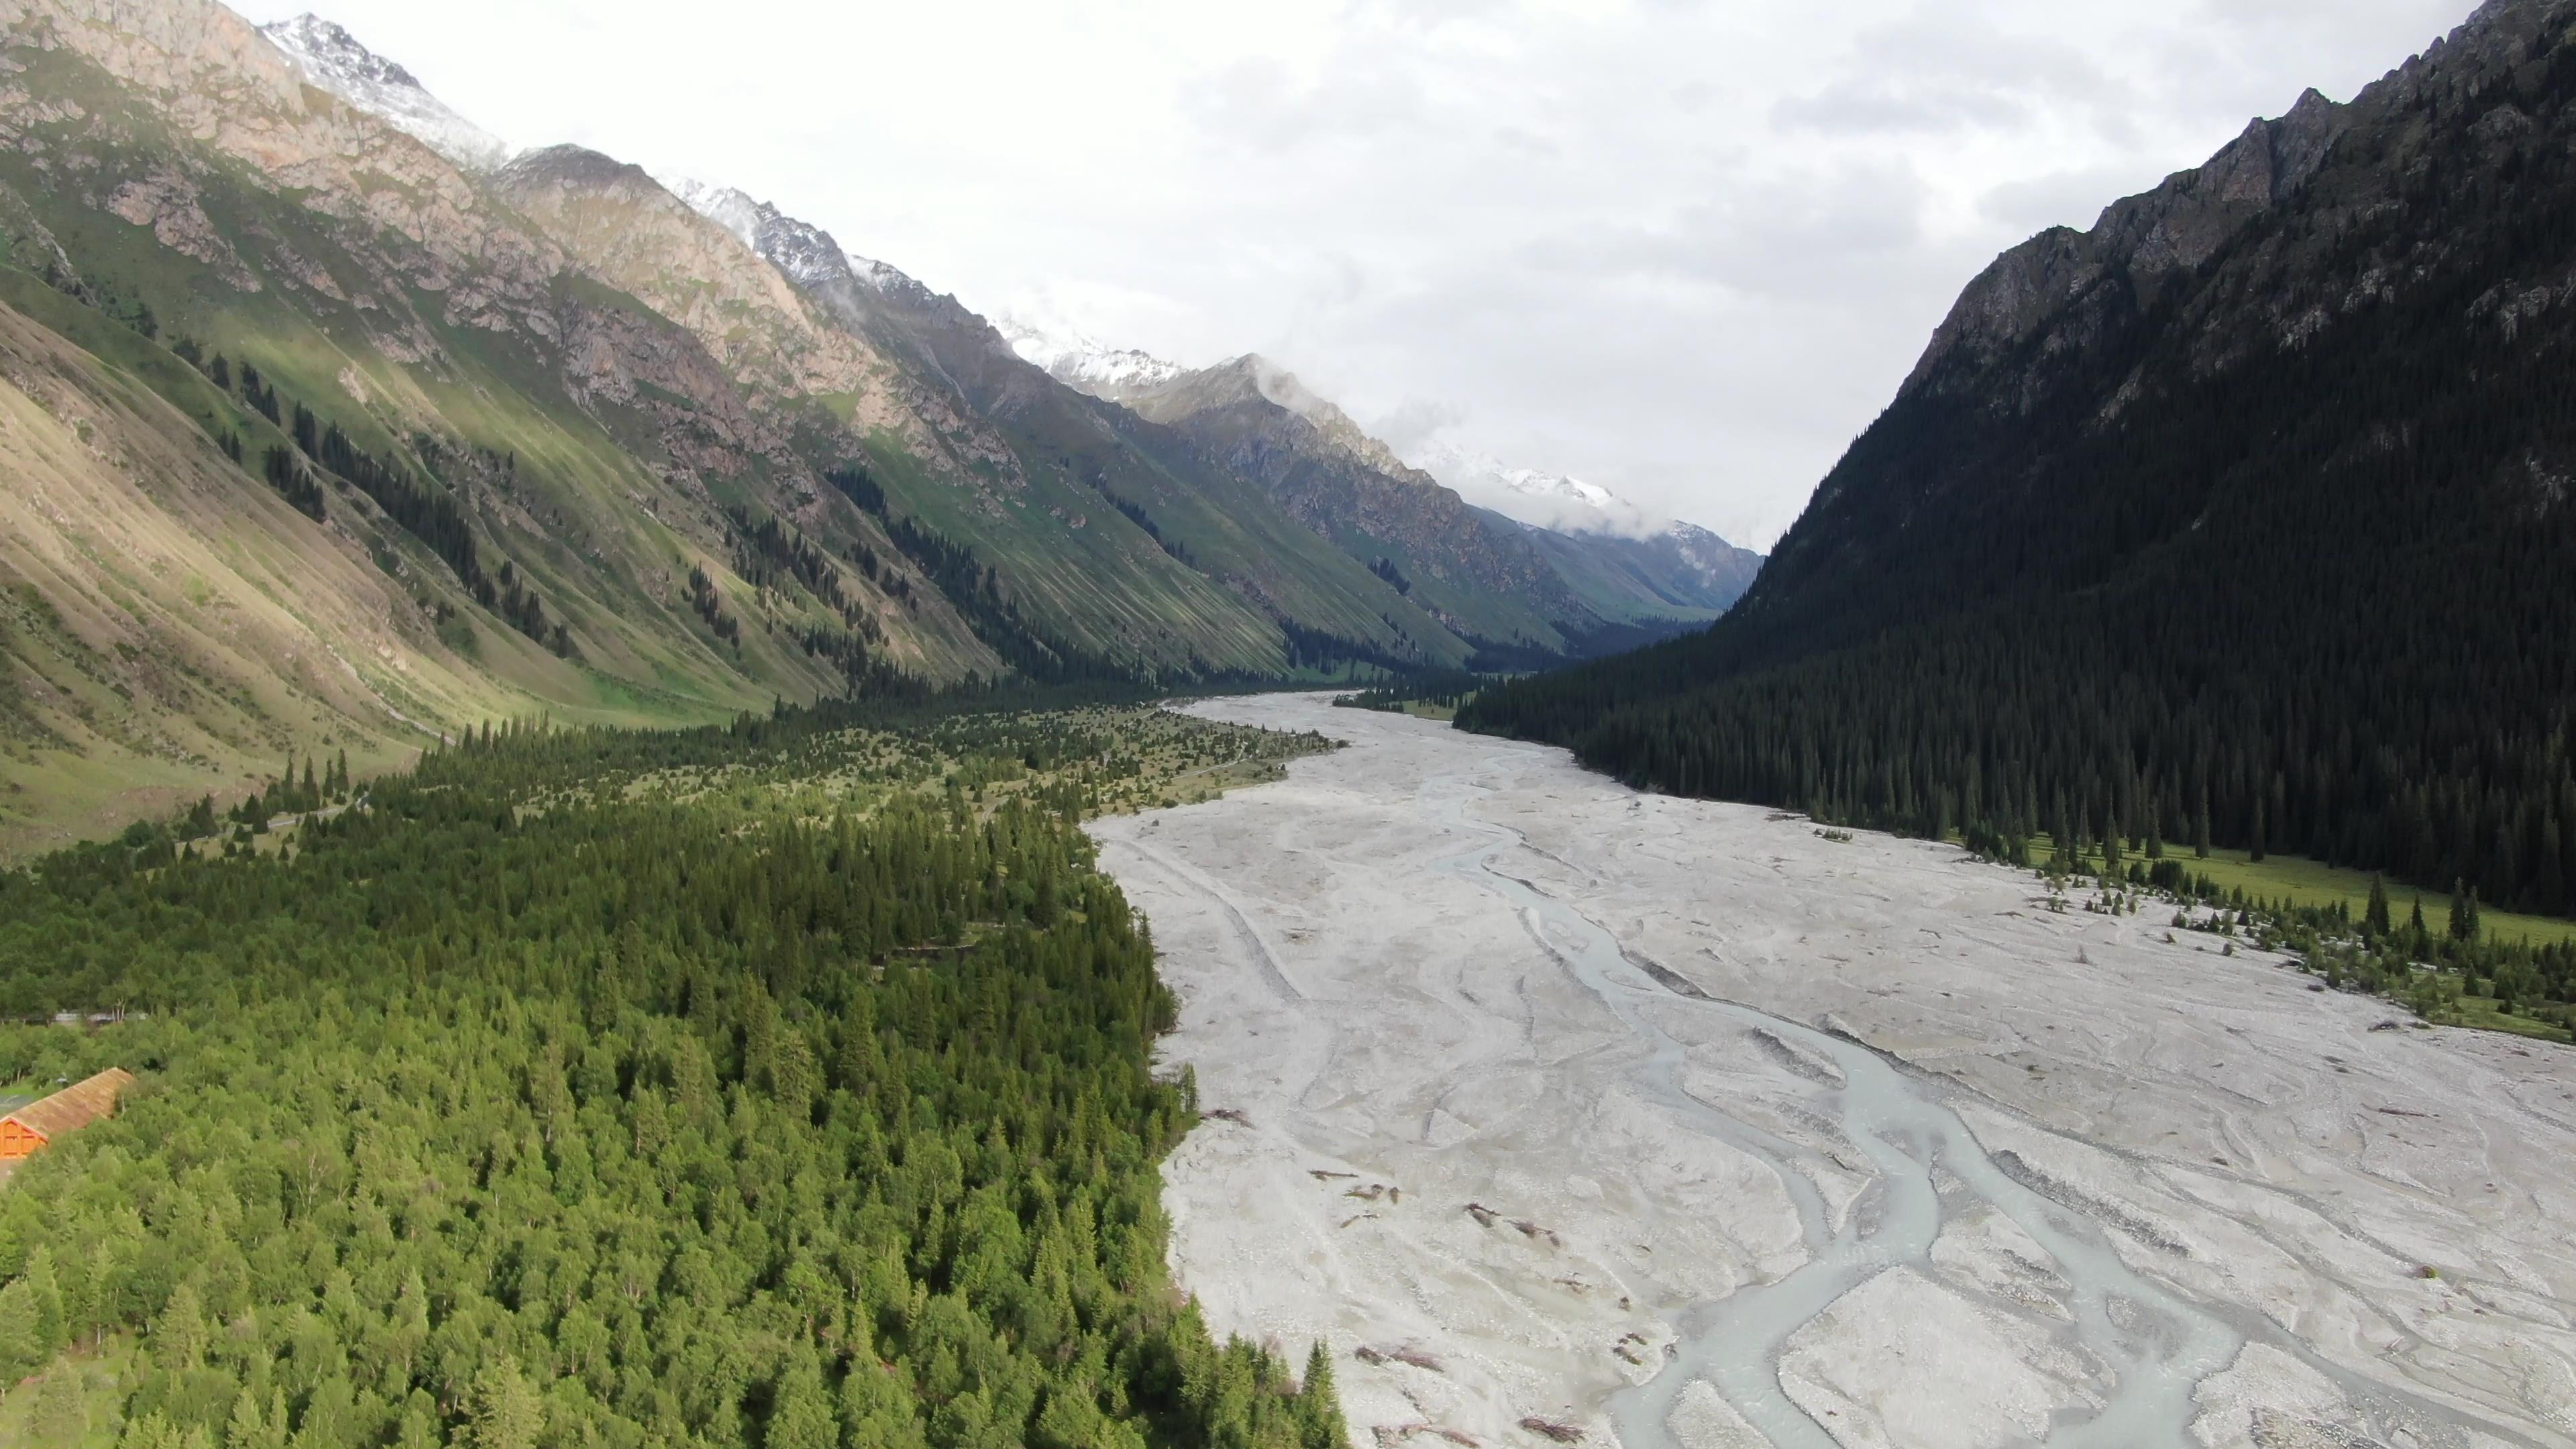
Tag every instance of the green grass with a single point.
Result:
(2481, 1012)
(2305, 882)
(73, 1404)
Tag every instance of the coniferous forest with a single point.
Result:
(783, 1086)
(2271, 552)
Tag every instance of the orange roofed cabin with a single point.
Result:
(69, 1110)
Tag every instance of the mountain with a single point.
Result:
(1679, 571)
(1140, 527)
(346, 425)
(1553, 591)
(1605, 544)
(1616, 566)
(1531, 495)
(2241, 516)
(1117, 374)
(504, 483)
(1485, 582)
(332, 59)
(329, 442)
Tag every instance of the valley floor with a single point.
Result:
(1555, 1108)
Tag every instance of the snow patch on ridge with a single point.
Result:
(333, 60)
(805, 252)
(1082, 362)
(1534, 496)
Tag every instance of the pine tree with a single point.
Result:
(21, 1349)
(1319, 1408)
(2374, 916)
(507, 1413)
(800, 1413)
(2464, 919)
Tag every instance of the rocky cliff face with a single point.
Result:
(2062, 288)
(333, 59)
(626, 228)
(1252, 380)
(2065, 291)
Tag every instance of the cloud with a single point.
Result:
(1415, 421)
(2061, 198)
(1257, 102)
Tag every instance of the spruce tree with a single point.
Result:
(2374, 917)
(1319, 1409)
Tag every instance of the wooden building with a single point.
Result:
(39, 1124)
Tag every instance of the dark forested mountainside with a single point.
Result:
(2244, 516)
(764, 1088)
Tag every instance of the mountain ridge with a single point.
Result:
(333, 59)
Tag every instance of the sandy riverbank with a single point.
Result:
(2083, 1186)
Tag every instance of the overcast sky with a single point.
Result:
(1682, 249)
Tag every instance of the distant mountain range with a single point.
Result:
(1518, 526)
(2241, 517)
(340, 423)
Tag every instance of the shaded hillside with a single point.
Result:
(1484, 583)
(2242, 516)
(1680, 573)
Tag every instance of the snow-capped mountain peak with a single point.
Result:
(723, 205)
(805, 252)
(1075, 359)
(1531, 495)
(333, 60)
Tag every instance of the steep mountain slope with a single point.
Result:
(335, 61)
(1613, 562)
(528, 460)
(1086, 364)
(2242, 515)
(1129, 524)
(608, 448)
(615, 452)
(1484, 583)
(1622, 559)
(1532, 495)
(1678, 572)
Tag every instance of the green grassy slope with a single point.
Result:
(592, 447)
